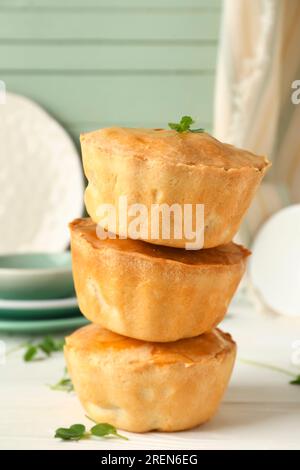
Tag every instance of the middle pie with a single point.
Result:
(149, 292)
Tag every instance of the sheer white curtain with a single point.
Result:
(259, 59)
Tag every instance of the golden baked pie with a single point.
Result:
(149, 292)
(164, 167)
(140, 386)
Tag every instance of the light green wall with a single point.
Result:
(93, 63)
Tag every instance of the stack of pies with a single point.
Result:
(153, 359)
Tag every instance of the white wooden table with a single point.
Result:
(260, 410)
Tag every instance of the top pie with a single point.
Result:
(156, 167)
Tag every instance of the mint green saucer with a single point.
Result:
(38, 309)
(32, 276)
(42, 326)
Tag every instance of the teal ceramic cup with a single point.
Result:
(32, 276)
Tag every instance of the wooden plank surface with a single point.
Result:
(260, 409)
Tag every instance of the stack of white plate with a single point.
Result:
(41, 191)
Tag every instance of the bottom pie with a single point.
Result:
(141, 386)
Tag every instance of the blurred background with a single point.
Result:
(70, 66)
(94, 63)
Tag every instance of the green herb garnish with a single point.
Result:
(104, 430)
(78, 431)
(184, 125)
(296, 378)
(296, 381)
(30, 353)
(73, 433)
(46, 347)
(64, 384)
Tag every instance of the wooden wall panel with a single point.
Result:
(92, 63)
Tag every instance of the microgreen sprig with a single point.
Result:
(184, 125)
(78, 431)
(64, 384)
(105, 430)
(294, 381)
(42, 349)
(73, 433)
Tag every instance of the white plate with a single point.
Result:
(40, 176)
(275, 263)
